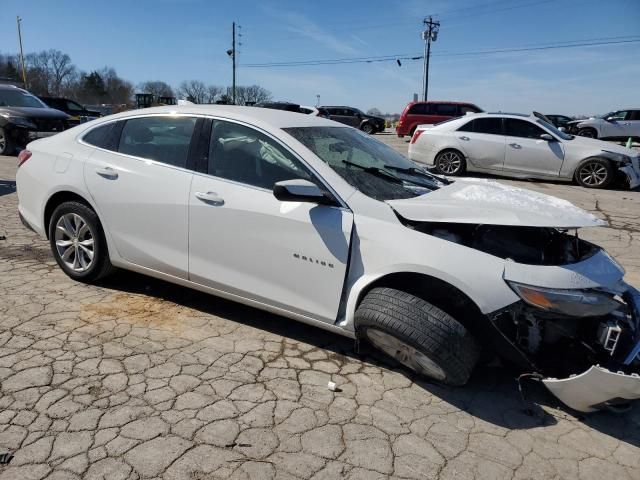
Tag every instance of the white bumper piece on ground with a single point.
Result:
(591, 390)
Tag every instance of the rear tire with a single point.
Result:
(450, 163)
(6, 143)
(78, 243)
(417, 334)
(594, 173)
(587, 132)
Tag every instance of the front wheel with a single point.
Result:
(78, 243)
(587, 132)
(450, 163)
(594, 173)
(417, 334)
(6, 143)
(368, 129)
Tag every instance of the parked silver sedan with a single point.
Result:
(521, 146)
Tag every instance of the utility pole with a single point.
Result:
(428, 35)
(233, 59)
(24, 71)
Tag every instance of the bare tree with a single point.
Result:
(156, 87)
(252, 94)
(214, 93)
(193, 90)
(374, 112)
(48, 71)
(61, 69)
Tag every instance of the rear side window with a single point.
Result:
(447, 110)
(492, 126)
(522, 129)
(635, 115)
(163, 139)
(100, 136)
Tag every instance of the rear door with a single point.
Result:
(245, 242)
(140, 184)
(526, 152)
(483, 142)
(340, 115)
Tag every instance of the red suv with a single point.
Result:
(418, 113)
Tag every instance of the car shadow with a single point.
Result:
(492, 395)
(7, 187)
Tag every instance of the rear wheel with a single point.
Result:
(417, 334)
(78, 243)
(594, 173)
(6, 143)
(451, 163)
(587, 132)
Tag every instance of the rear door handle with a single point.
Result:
(210, 197)
(107, 172)
(515, 145)
(464, 138)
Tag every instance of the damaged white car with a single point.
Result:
(521, 146)
(320, 223)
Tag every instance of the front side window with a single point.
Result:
(368, 165)
(163, 139)
(244, 155)
(74, 106)
(522, 129)
(622, 115)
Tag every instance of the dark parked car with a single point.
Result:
(429, 113)
(356, 118)
(24, 117)
(559, 120)
(287, 106)
(79, 113)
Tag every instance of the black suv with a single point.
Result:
(23, 118)
(79, 113)
(355, 118)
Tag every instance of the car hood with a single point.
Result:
(487, 202)
(35, 112)
(602, 145)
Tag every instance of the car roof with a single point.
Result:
(253, 115)
(443, 101)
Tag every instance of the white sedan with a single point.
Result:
(322, 224)
(521, 146)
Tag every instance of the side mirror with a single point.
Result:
(301, 191)
(563, 129)
(547, 137)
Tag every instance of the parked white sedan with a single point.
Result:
(321, 223)
(521, 146)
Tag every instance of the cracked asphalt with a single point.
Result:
(137, 378)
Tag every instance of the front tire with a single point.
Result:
(594, 173)
(418, 335)
(368, 129)
(450, 163)
(78, 242)
(6, 143)
(587, 132)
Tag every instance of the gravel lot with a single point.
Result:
(137, 378)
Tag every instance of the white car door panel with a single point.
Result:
(144, 206)
(526, 152)
(244, 241)
(483, 143)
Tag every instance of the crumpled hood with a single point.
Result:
(602, 145)
(492, 203)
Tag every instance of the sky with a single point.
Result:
(175, 40)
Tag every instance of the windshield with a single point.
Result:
(554, 130)
(367, 164)
(19, 98)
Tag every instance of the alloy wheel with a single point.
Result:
(449, 163)
(405, 354)
(593, 174)
(3, 141)
(75, 242)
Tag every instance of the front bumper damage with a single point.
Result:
(632, 171)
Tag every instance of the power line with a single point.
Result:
(602, 41)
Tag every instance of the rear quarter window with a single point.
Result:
(100, 136)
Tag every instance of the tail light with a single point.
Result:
(416, 135)
(23, 156)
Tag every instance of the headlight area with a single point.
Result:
(564, 332)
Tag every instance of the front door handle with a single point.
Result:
(515, 145)
(210, 197)
(107, 172)
(464, 138)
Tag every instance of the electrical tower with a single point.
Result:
(428, 35)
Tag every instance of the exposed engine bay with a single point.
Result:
(583, 336)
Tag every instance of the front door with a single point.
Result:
(141, 190)
(527, 153)
(245, 242)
